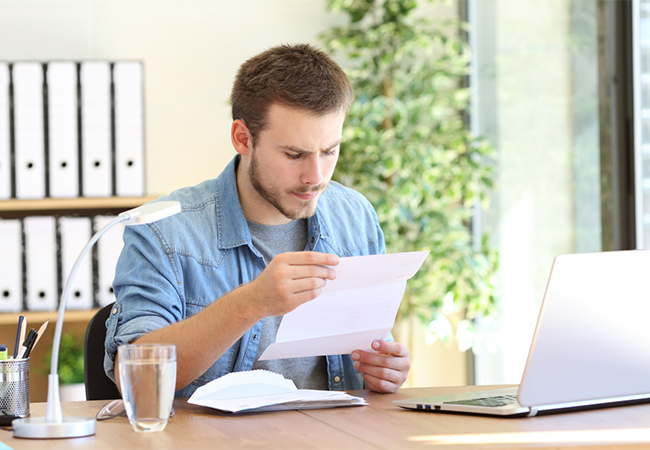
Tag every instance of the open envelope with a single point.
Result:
(261, 390)
(357, 308)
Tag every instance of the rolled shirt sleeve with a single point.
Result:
(146, 297)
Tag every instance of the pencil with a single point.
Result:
(40, 332)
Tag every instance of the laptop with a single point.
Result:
(591, 346)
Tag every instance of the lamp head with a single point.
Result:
(150, 212)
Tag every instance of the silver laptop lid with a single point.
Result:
(592, 339)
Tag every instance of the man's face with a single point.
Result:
(293, 161)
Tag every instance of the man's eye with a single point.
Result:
(293, 155)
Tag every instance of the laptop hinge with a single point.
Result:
(533, 412)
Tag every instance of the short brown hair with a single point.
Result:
(298, 76)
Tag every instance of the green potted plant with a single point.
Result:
(71, 367)
(408, 149)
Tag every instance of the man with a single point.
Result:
(258, 241)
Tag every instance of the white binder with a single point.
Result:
(11, 266)
(40, 263)
(28, 130)
(109, 248)
(96, 157)
(129, 128)
(62, 129)
(75, 233)
(5, 136)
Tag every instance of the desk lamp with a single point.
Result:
(54, 425)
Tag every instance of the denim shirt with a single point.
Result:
(174, 268)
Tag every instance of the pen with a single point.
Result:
(23, 331)
(28, 344)
(40, 332)
(4, 386)
(21, 319)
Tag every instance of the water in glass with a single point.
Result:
(148, 391)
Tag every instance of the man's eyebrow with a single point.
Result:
(303, 151)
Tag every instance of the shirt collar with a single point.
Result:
(231, 222)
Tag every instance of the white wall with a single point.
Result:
(191, 51)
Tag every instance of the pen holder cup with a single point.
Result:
(14, 386)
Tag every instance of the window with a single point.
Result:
(536, 98)
(641, 55)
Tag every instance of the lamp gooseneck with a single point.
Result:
(54, 424)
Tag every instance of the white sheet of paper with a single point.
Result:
(358, 307)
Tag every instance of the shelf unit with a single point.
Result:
(110, 205)
(74, 321)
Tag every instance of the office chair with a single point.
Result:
(98, 385)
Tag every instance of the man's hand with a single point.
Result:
(385, 371)
(290, 280)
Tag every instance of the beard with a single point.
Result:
(273, 195)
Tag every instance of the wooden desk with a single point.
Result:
(380, 425)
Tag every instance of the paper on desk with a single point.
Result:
(357, 308)
(261, 390)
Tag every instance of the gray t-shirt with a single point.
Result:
(270, 240)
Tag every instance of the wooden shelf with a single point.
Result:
(82, 206)
(38, 317)
(72, 204)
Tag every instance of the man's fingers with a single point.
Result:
(386, 370)
(304, 297)
(373, 359)
(307, 284)
(297, 265)
(381, 372)
(307, 258)
(392, 348)
(306, 272)
(378, 385)
(391, 354)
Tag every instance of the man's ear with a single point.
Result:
(241, 137)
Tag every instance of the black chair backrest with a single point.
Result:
(98, 385)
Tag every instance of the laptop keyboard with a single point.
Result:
(501, 400)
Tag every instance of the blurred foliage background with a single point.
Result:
(71, 359)
(407, 147)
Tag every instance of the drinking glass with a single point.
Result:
(148, 380)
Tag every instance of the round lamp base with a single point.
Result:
(38, 428)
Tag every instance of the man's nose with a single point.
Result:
(311, 174)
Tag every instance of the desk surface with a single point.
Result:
(378, 426)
